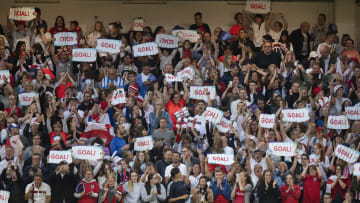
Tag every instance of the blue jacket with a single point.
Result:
(116, 144)
(154, 121)
(143, 88)
(226, 192)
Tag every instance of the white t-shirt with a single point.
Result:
(182, 168)
(194, 181)
(275, 35)
(262, 163)
(145, 77)
(38, 39)
(259, 32)
(21, 36)
(39, 194)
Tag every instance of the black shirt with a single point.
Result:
(178, 189)
(263, 61)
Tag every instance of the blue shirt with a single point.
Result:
(116, 144)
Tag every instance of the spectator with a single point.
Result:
(87, 190)
(199, 25)
(290, 192)
(38, 191)
(242, 188)
(179, 192)
(202, 193)
(153, 191)
(110, 193)
(59, 26)
(267, 57)
(132, 189)
(267, 188)
(220, 187)
(300, 39)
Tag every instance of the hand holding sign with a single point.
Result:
(22, 13)
(118, 97)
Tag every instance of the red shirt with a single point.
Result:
(292, 196)
(236, 28)
(53, 135)
(60, 90)
(338, 187)
(88, 187)
(172, 108)
(239, 196)
(311, 189)
(17, 111)
(54, 30)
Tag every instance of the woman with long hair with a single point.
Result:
(153, 191)
(242, 188)
(338, 184)
(267, 189)
(99, 31)
(110, 193)
(202, 193)
(104, 171)
(319, 153)
(290, 193)
(141, 160)
(132, 189)
(59, 26)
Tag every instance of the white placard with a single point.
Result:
(22, 13)
(145, 49)
(84, 55)
(356, 171)
(258, 6)
(171, 78)
(213, 115)
(183, 35)
(26, 98)
(166, 41)
(295, 115)
(186, 73)
(4, 74)
(199, 93)
(224, 125)
(353, 112)
(267, 120)
(282, 148)
(108, 45)
(65, 39)
(313, 158)
(138, 24)
(91, 153)
(56, 157)
(4, 196)
(143, 143)
(118, 97)
(223, 159)
(338, 122)
(347, 154)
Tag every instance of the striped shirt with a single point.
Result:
(118, 82)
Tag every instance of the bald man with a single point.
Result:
(327, 60)
(300, 39)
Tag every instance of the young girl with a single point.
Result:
(142, 158)
(132, 189)
(110, 193)
(242, 189)
(99, 31)
(166, 57)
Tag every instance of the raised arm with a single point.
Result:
(267, 22)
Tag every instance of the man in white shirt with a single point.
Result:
(243, 98)
(175, 164)
(38, 191)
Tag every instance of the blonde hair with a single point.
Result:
(130, 182)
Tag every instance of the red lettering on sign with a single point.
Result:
(59, 156)
(295, 115)
(86, 152)
(345, 153)
(108, 45)
(166, 41)
(143, 143)
(82, 54)
(67, 39)
(337, 122)
(22, 13)
(282, 149)
(144, 49)
(353, 112)
(211, 114)
(215, 158)
(257, 6)
(267, 120)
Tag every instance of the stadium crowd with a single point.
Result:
(257, 67)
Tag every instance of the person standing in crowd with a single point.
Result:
(290, 193)
(199, 25)
(220, 187)
(87, 190)
(38, 191)
(300, 39)
(179, 192)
